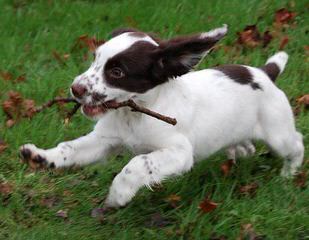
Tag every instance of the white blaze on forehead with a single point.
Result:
(119, 44)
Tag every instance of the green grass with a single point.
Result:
(31, 30)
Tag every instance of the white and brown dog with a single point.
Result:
(215, 108)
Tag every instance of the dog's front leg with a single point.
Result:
(81, 151)
(147, 169)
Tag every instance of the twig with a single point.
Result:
(136, 108)
(110, 105)
(54, 101)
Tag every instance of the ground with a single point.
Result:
(38, 39)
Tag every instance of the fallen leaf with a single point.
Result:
(6, 76)
(173, 200)
(10, 123)
(249, 37)
(16, 107)
(29, 108)
(303, 100)
(284, 42)
(5, 189)
(66, 56)
(3, 146)
(284, 16)
(306, 48)
(226, 167)
(267, 37)
(247, 232)
(91, 43)
(157, 220)
(249, 189)
(62, 214)
(21, 78)
(207, 205)
(49, 202)
(300, 180)
(99, 213)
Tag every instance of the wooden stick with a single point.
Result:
(110, 105)
(136, 108)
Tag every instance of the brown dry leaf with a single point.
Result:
(66, 56)
(173, 200)
(16, 107)
(15, 97)
(6, 76)
(21, 78)
(267, 37)
(99, 214)
(284, 42)
(249, 189)
(249, 37)
(284, 16)
(29, 108)
(303, 100)
(207, 205)
(10, 123)
(3, 146)
(247, 232)
(300, 180)
(5, 189)
(89, 42)
(306, 48)
(49, 202)
(62, 214)
(226, 167)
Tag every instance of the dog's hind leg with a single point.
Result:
(278, 131)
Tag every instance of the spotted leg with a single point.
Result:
(145, 170)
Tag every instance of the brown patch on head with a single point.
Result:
(272, 70)
(239, 74)
(136, 64)
(145, 65)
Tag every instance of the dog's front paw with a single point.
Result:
(34, 157)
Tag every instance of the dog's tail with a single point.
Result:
(275, 65)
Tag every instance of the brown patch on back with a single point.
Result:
(272, 70)
(239, 74)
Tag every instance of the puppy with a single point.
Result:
(215, 108)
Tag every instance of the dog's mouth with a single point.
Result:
(98, 109)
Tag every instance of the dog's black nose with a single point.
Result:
(78, 90)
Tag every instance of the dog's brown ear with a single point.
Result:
(119, 31)
(178, 56)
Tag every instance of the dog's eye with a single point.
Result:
(116, 72)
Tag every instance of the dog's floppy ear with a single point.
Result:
(119, 31)
(178, 56)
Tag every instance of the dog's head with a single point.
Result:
(133, 62)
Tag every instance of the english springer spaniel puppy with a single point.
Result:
(224, 107)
